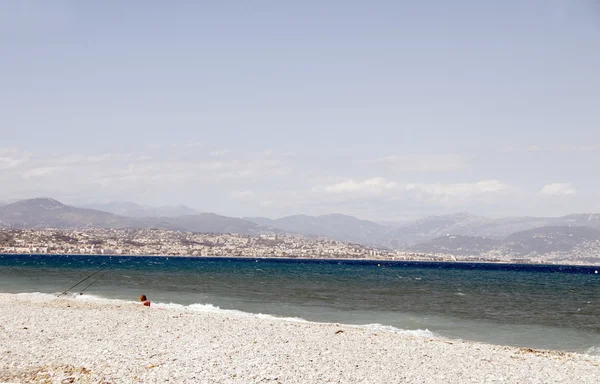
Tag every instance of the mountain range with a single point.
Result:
(50, 213)
(131, 209)
(458, 234)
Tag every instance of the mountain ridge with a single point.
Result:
(461, 233)
(131, 209)
(50, 213)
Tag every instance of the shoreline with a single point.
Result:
(315, 259)
(96, 341)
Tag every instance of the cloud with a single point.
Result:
(156, 172)
(242, 195)
(460, 189)
(423, 163)
(11, 158)
(379, 198)
(374, 185)
(380, 188)
(41, 171)
(558, 189)
(218, 153)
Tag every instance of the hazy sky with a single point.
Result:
(379, 109)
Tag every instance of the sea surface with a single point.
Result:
(536, 306)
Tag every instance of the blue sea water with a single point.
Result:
(537, 306)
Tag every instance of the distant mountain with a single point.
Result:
(50, 213)
(465, 224)
(550, 243)
(132, 209)
(550, 239)
(205, 222)
(591, 220)
(418, 231)
(458, 245)
(335, 226)
(462, 234)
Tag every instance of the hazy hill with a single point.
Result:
(50, 213)
(418, 231)
(464, 224)
(459, 234)
(132, 209)
(458, 245)
(548, 243)
(204, 222)
(335, 226)
(591, 220)
(550, 239)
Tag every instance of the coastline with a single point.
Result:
(315, 259)
(56, 339)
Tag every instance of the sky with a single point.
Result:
(385, 110)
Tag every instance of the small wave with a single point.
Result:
(38, 295)
(459, 294)
(293, 319)
(90, 297)
(409, 332)
(210, 308)
(593, 351)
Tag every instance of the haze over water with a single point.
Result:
(551, 307)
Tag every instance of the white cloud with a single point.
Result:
(381, 189)
(423, 163)
(218, 153)
(242, 195)
(122, 176)
(558, 189)
(41, 171)
(11, 158)
(460, 189)
(374, 185)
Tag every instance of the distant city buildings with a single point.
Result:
(157, 242)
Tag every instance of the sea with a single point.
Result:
(554, 307)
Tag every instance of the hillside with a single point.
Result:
(553, 243)
(204, 223)
(131, 209)
(460, 234)
(335, 226)
(50, 213)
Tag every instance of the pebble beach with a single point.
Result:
(73, 340)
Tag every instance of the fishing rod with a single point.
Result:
(93, 274)
(93, 282)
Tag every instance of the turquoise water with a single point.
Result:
(552, 307)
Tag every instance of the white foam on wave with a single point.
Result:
(38, 295)
(409, 332)
(593, 351)
(210, 308)
(89, 297)
(72, 296)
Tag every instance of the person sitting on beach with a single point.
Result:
(145, 300)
